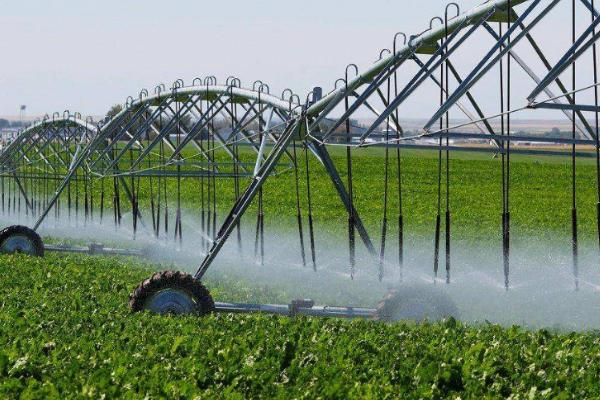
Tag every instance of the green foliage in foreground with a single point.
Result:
(65, 331)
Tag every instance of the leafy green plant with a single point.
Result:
(65, 331)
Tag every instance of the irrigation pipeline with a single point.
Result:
(298, 206)
(260, 238)
(447, 96)
(386, 167)
(311, 224)
(596, 120)
(575, 238)
(236, 169)
(399, 134)
(436, 251)
(444, 124)
(351, 210)
(505, 131)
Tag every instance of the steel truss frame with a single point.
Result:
(153, 135)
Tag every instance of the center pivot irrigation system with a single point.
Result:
(210, 135)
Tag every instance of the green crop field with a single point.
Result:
(540, 194)
(66, 330)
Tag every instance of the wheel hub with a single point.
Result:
(18, 244)
(171, 301)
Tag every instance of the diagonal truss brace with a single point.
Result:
(498, 51)
(574, 52)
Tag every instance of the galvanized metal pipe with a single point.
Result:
(430, 36)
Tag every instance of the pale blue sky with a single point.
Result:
(86, 55)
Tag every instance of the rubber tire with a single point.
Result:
(430, 305)
(32, 235)
(172, 280)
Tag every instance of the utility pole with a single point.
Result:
(22, 113)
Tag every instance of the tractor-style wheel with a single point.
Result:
(172, 292)
(418, 303)
(21, 239)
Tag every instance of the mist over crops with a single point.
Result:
(542, 286)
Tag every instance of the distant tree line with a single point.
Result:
(4, 123)
(557, 133)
